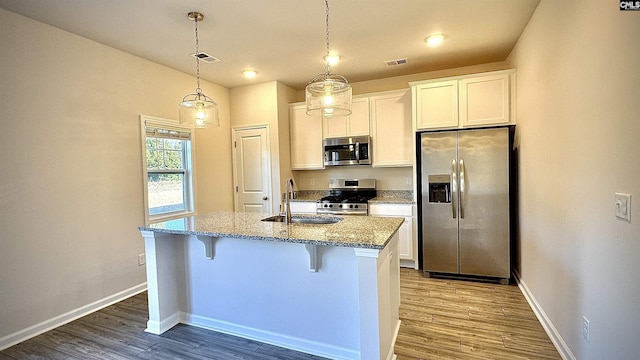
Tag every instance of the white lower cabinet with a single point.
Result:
(407, 241)
(303, 207)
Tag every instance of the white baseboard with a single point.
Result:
(285, 341)
(391, 355)
(408, 264)
(546, 323)
(37, 329)
(159, 327)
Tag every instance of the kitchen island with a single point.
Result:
(330, 290)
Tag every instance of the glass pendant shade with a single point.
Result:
(328, 95)
(199, 110)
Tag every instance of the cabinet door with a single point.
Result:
(306, 139)
(391, 131)
(406, 238)
(356, 124)
(335, 126)
(484, 100)
(436, 105)
(405, 244)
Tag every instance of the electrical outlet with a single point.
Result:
(408, 181)
(312, 181)
(141, 259)
(586, 331)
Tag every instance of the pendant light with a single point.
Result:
(198, 109)
(328, 94)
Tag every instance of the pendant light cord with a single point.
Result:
(326, 3)
(198, 90)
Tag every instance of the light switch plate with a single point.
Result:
(623, 206)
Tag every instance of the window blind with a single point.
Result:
(164, 131)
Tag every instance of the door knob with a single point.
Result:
(265, 198)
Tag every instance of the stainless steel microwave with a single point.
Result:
(354, 150)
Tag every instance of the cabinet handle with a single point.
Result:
(265, 198)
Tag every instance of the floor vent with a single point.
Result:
(205, 57)
(396, 62)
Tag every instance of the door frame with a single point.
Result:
(236, 130)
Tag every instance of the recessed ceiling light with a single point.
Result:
(434, 40)
(249, 74)
(332, 59)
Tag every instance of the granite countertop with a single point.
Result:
(353, 231)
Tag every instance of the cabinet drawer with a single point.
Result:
(405, 210)
(303, 207)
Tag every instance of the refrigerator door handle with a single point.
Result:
(454, 187)
(461, 189)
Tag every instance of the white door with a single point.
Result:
(252, 170)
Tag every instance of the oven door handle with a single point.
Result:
(341, 212)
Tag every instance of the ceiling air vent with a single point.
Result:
(396, 62)
(205, 57)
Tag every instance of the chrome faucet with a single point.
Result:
(287, 201)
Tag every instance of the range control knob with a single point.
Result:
(355, 206)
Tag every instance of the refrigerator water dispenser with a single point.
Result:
(440, 188)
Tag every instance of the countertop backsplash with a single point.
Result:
(393, 196)
(383, 196)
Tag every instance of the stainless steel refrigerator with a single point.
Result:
(465, 215)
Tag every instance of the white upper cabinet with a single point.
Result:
(391, 130)
(356, 124)
(484, 100)
(306, 139)
(469, 101)
(436, 104)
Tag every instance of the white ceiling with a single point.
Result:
(284, 40)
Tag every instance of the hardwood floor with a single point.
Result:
(117, 332)
(453, 319)
(441, 319)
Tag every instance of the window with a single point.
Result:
(168, 160)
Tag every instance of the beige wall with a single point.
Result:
(578, 83)
(267, 104)
(71, 170)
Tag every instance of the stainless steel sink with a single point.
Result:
(305, 220)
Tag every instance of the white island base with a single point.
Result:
(332, 301)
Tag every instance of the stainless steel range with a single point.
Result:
(347, 197)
